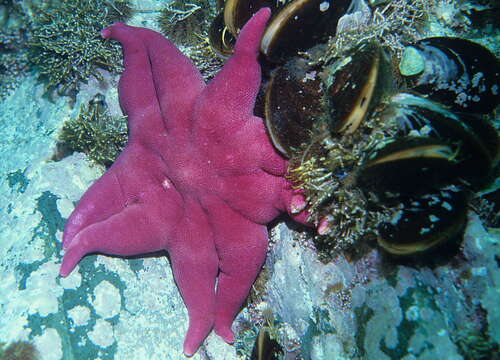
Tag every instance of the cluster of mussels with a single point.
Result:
(397, 163)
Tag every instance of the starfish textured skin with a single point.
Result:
(198, 178)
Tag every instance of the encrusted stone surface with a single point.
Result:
(372, 309)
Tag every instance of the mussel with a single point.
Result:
(402, 161)
(356, 84)
(238, 12)
(419, 224)
(294, 26)
(474, 139)
(407, 165)
(299, 25)
(293, 103)
(221, 40)
(456, 72)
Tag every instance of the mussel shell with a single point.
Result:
(426, 222)
(407, 165)
(458, 73)
(266, 347)
(293, 101)
(299, 25)
(238, 12)
(221, 40)
(355, 85)
(477, 141)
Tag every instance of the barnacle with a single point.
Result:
(65, 46)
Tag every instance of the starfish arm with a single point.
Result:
(120, 187)
(90, 211)
(159, 84)
(177, 81)
(293, 201)
(230, 96)
(129, 232)
(195, 266)
(132, 206)
(241, 248)
(255, 136)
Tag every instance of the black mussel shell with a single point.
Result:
(265, 347)
(456, 72)
(407, 165)
(477, 141)
(238, 12)
(423, 223)
(300, 25)
(221, 40)
(355, 85)
(293, 102)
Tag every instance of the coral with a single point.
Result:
(94, 132)
(65, 45)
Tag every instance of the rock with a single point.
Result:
(372, 309)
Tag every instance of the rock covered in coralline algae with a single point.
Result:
(370, 309)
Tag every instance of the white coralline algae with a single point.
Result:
(372, 309)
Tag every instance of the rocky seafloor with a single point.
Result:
(113, 308)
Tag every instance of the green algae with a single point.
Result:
(95, 133)
(65, 46)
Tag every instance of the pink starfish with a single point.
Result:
(199, 177)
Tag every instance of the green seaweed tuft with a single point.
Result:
(65, 46)
(13, 54)
(95, 133)
(186, 22)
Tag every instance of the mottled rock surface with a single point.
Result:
(374, 309)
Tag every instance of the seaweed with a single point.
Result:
(186, 22)
(95, 133)
(13, 61)
(13, 54)
(65, 46)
